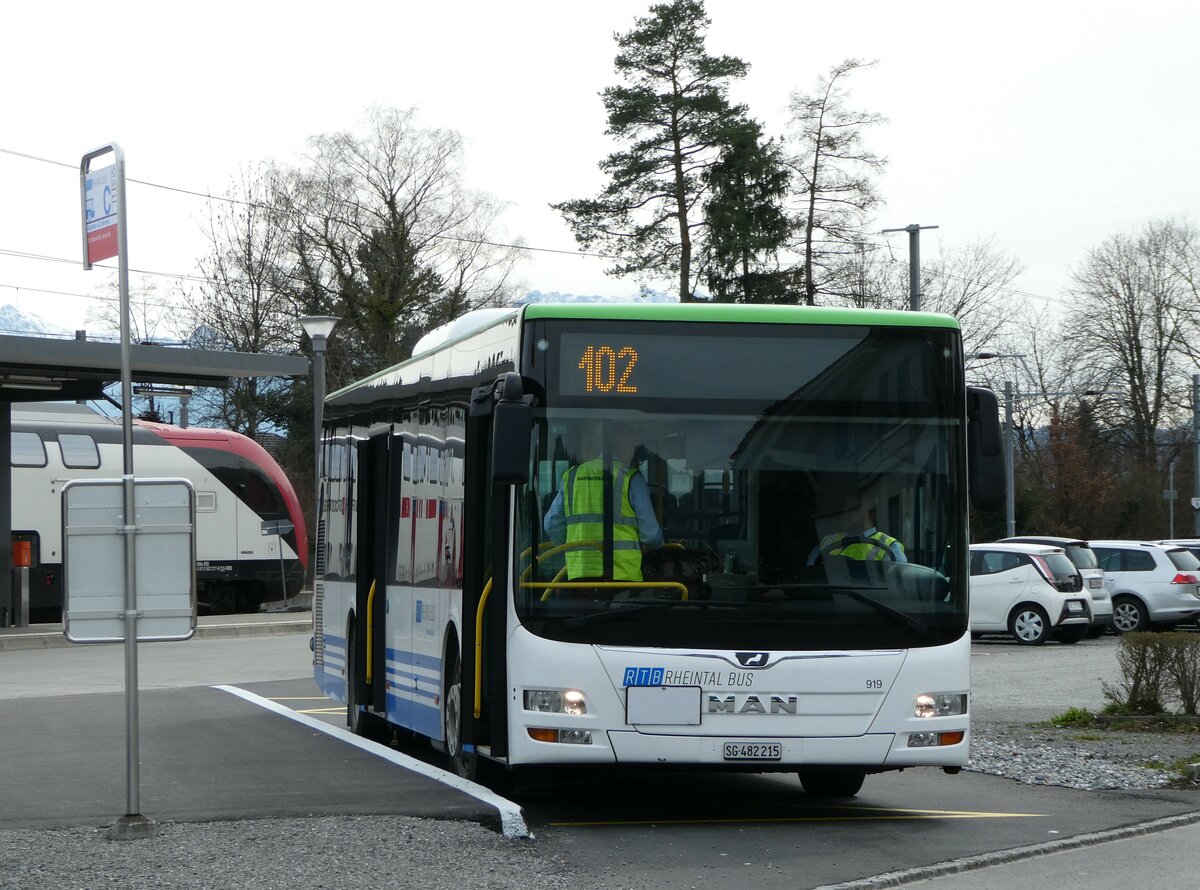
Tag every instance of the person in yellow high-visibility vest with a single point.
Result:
(860, 540)
(619, 528)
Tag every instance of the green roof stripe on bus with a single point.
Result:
(740, 312)
(713, 312)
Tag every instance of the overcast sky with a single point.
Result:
(1047, 126)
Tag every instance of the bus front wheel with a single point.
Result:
(452, 724)
(831, 782)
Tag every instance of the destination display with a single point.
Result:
(631, 365)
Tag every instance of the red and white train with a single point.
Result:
(238, 488)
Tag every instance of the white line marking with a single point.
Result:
(512, 821)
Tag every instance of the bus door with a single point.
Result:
(485, 538)
(371, 571)
(399, 569)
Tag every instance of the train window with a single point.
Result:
(206, 502)
(78, 451)
(259, 494)
(27, 450)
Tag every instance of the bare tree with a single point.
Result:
(153, 316)
(833, 170)
(241, 305)
(1135, 324)
(972, 283)
(386, 235)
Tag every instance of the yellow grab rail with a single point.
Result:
(483, 598)
(549, 550)
(606, 585)
(370, 630)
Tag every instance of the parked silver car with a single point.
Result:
(1029, 591)
(1150, 584)
(1081, 554)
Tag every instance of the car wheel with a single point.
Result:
(830, 782)
(1029, 625)
(1070, 635)
(1129, 615)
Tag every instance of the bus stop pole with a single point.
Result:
(132, 791)
(132, 825)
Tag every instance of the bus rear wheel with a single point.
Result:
(354, 716)
(464, 761)
(831, 782)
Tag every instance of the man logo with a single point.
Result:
(752, 659)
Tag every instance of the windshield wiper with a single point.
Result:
(616, 611)
(902, 618)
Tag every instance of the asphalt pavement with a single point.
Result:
(212, 750)
(207, 749)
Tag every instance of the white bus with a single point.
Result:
(443, 607)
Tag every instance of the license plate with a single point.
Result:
(1095, 582)
(1074, 606)
(753, 751)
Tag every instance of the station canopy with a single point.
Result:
(38, 369)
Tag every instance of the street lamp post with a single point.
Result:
(1010, 505)
(319, 328)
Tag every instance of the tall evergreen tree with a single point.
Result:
(747, 221)
(673, 113)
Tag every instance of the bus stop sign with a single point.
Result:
(94, 560)
(277, 527)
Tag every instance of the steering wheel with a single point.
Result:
(840, 545)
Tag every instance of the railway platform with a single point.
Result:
(293, 616)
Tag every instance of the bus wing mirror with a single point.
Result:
(986, 477)
(511, 423)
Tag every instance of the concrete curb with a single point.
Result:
(51, 637)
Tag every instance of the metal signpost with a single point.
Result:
(279, 527)
(106, 234)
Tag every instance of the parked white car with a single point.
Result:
(1150, 584)
(1080, 553)
(1019, 589)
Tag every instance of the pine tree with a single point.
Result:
(747, 222)
(673, 114)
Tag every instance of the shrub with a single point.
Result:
(1143, 660)
(1074, 717)
(1182, 668)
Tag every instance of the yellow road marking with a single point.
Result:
(302, 698)
(341, 710)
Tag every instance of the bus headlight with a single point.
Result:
(940, 704)
(556, 701)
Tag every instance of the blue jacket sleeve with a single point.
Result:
(555, 523)
(649, 530)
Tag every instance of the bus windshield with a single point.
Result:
(743, 486)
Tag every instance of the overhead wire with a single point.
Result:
(454, 238)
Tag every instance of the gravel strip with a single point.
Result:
(1093, 759)
(344, 852)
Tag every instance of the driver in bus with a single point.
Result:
(860, 538)
(577, 511)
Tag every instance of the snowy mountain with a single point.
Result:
(646, 296)
(14, 322)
